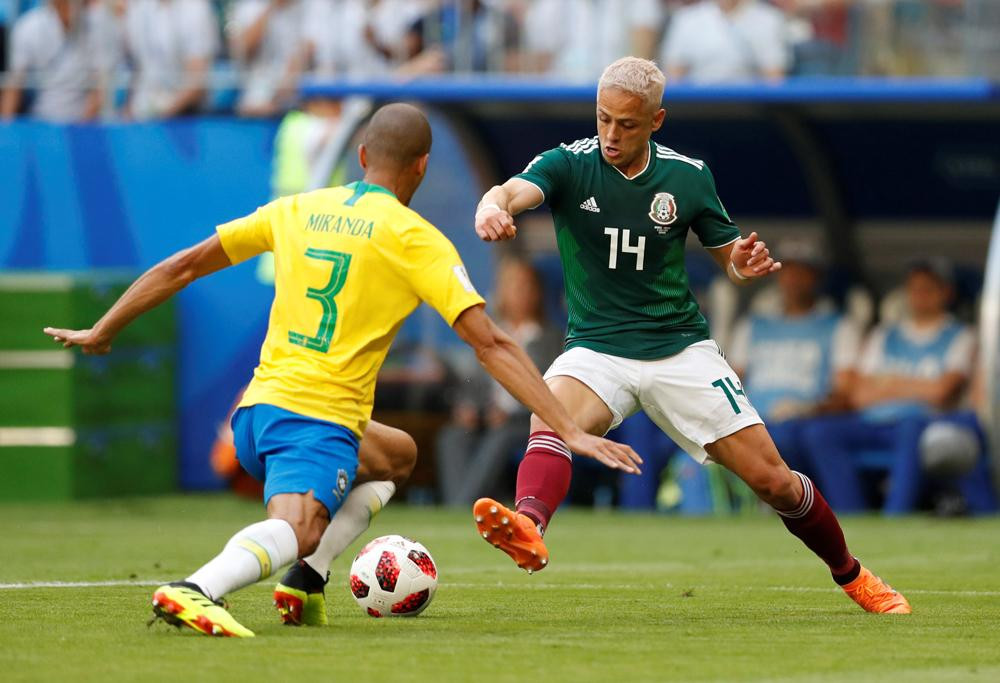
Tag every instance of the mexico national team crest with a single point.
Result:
(663, 210)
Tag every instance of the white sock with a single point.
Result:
(351, 520)
(251, 555)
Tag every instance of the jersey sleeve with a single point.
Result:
(712, 225)
(434, 270)
(846, 345)
(961, 353)
(872, 352)
(547, 172)
(22, 49)
(246, 237)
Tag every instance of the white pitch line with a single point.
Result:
(523, 586)
(78, 584)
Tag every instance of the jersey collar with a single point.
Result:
(649, 162)
(360, 188)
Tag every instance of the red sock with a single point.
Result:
(543, 477)
(814, 523)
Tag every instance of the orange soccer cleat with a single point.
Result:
(512, 532)
(875, 595)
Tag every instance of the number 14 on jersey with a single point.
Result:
(639, 248)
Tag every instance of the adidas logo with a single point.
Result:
(591, 205)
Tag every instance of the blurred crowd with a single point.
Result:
(72, 60)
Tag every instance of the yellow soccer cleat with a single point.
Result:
(511, 532)
(299, 597)
(875, 595)
(182, 604)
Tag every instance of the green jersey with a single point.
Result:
(621, 243)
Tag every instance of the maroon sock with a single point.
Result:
(814, 523)
(543, 477)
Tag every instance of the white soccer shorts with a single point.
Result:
(693, 396)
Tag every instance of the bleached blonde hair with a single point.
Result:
(636, 76)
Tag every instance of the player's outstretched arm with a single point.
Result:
(512, 367)
(153, 287)
(496, 210)
(745, 259)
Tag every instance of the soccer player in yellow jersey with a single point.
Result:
(351, 263)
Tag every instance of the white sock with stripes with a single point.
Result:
(251, 555)
(351, 520)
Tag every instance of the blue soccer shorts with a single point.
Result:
(292, 453)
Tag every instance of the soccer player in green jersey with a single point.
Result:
(622, 206)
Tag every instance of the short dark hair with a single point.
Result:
(397, 135)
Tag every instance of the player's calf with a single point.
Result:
(307, 516)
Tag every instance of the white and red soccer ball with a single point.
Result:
(393, 576)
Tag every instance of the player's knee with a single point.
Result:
(393, 461)
(405, 458)
(777, 487)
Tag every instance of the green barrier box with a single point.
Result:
(73, 425)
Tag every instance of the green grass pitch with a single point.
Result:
(626, 598)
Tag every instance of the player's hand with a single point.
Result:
(89, 341)
(493, 224)
(614, 455)
(751, 258)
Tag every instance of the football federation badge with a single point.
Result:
(342, 483)
(663, 210)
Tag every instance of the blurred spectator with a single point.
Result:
(309, 152)
(171, 44)
(576, 39)
(909, 371)
(821, 35)
(302, 146)
(462, 35)
(268, 44)
(6, 15)
(488, 425)
(64, 51)
(800, 362)
(372, 37)
(716, 41)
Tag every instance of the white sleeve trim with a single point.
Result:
(538, 188)
(725, 244)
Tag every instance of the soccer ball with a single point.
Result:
(393, 576)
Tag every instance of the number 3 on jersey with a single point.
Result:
(639, 249)
(328, 321)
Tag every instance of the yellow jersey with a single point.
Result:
(351, 263)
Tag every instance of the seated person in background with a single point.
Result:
(716, 41)
(955, 458)
(488, 425)
(171, 44)
(60, 49)
(267, 41)
(462, 35)
(909, 371)
(798, 363)
(576, 40)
